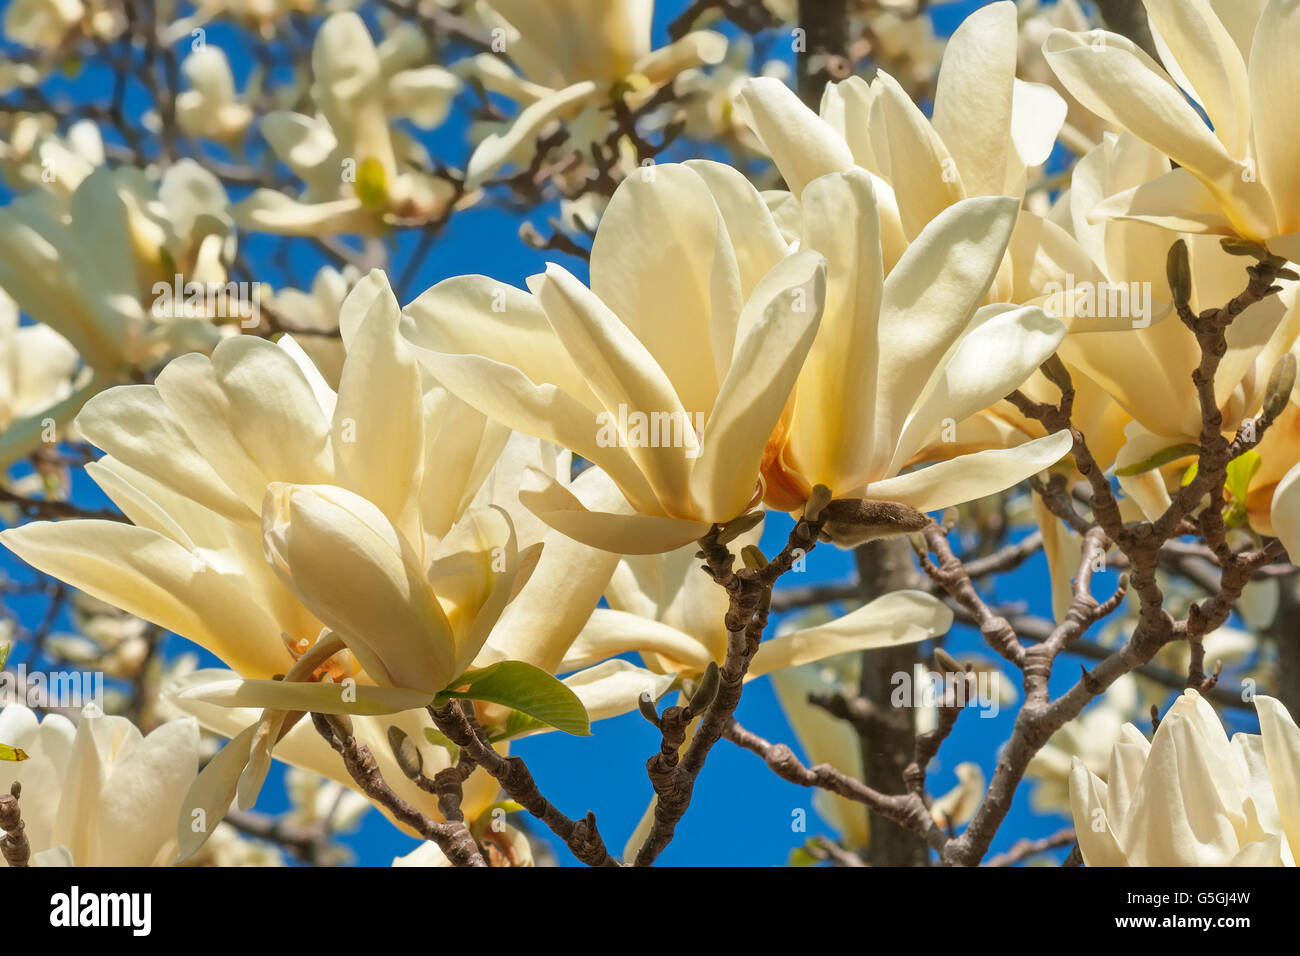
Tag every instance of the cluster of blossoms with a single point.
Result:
(411, 533)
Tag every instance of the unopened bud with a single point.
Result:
(1234, 246)
(341, 724)
(817, 502)
(1280, 384)
(708, 688)
(1179, 270)
(753, 557)
(405, 752)
(947, 662)
(646, 704)
(734, 529)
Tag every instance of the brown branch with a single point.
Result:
(14, 846)
(580, 836)
(908, 810)
(452, 837)
(1024, 849)
(749, 591)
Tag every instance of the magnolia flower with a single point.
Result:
(210, 108)
(94, 273)
(708, 95)
(1235, 175)
(359, 175)
(989, 129)
(906, 353)
(1284, 514)
(47, 24)
(37, 366)
(35, 156)
(259, 15)
(99, 793)
(1082, 129)
(292, 530)
(663, 608)
(670, 372)
(575, 56)
(1146, 369)
(1191, 797)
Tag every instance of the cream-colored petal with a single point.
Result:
(1274, 86)
(619, 533)
(802, 145)
(837, 387)
(969, 477)
(929, 299)
(777, 329)
(973, 97)
(662, 262)
(900, 617)
(609, 633)
(623, 374)
(154, 578)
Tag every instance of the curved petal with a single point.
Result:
(802, 145)
(610, 633)
(777, 329)
(973, 97)
(519, 140)
(969, 477)
(900, 617)
(156, 579)
(619, 533)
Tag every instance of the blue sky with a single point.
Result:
(742, 813)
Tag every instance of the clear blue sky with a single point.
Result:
(741, 812)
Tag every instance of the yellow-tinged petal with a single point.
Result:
(619, 533)
(899, 617)
(777, 328)
(802, 145)
(969, 477)
(346, 562)
(156, 579)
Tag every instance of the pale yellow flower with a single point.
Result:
(573, 56)
(37, 367)
(277, 521)
(1235, 175)
(670, 372)
(1191, 797)
(359, 174)
(100, 793)
(903, 355)
(211, 108)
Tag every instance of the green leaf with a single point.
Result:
(1188, 476)
(799, 856)
(12, 753)
(525, 688)
(516, 723)
(1162, 457)
(438, 739)
(1241, 471)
